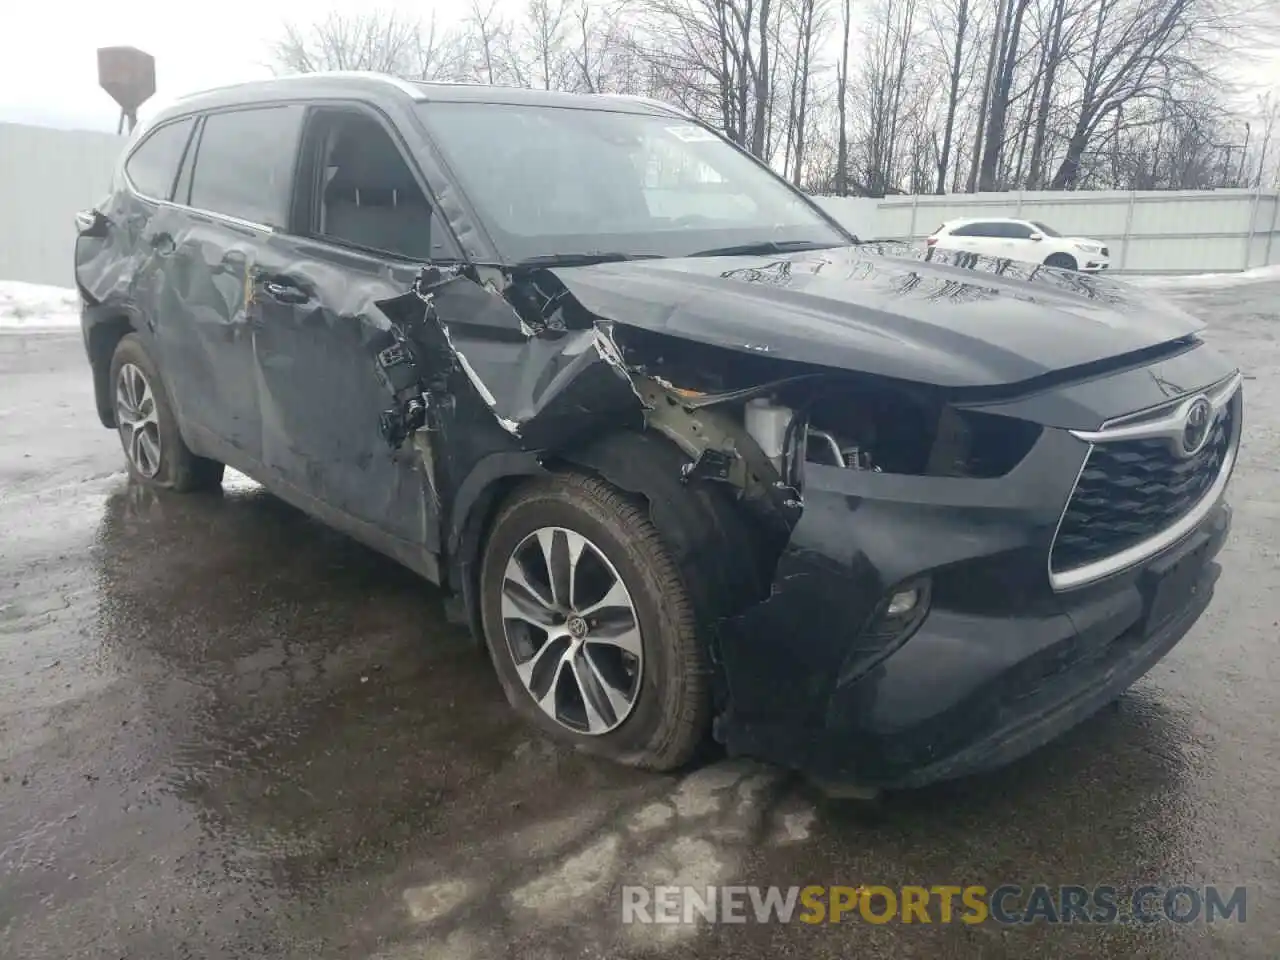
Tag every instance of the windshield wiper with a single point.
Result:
(583, 259)
(765, 246)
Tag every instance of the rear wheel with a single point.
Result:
(153, 447)
(1063, 261)
(590, 627)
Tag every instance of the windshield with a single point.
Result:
(558, 181)
(1044, 228)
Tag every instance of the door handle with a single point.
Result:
(285, 292)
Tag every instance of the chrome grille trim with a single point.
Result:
(1164, 420)
(1154, 423)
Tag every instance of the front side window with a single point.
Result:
(1017, 231)
(559, 180)
(363, 192)
(153, 166)
(1047, 230)
(244, 163)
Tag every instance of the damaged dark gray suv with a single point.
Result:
(691, 460)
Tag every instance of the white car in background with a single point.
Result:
(1026, 240)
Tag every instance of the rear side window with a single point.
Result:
(153, 166)
(977, 230)
(244, 165)
(1016, 231)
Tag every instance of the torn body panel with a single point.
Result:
(990, 665)
(553, 377)
(813, 667)
(311, 350)
(558, 352)
(545, 388)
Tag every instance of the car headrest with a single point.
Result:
(367, 161)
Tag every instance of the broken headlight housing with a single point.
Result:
(904, 433)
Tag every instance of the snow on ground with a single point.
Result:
(32, 307)
(1205, 281)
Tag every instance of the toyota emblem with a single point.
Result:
(1195, 427)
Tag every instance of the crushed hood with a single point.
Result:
(929, 316)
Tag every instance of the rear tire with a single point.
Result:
(1063, 261)
(148, 429)
(627, 680)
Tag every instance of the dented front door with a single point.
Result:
(319, 394)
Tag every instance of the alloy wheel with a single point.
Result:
(137, 420)
(572, 630)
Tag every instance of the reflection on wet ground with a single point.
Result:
(227, 732)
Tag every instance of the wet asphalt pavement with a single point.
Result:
(226, 732)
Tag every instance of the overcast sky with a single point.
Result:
(48, 65)
(48, 49)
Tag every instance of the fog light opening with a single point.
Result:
(905, 605)
(903, 602)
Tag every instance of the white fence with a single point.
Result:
(1191, 231)
(47, 175)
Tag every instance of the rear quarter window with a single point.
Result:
(244, 163)
(153, 165)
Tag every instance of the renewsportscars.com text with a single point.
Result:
(1005, 904)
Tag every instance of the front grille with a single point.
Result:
(1130, 490)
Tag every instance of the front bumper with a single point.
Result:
(1001, 663)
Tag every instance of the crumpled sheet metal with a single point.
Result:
(545, 388)
(954, 322)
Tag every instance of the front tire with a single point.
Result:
(589, 624)
(148, 429)
(1063, 261)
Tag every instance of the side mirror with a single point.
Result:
(1036, 236)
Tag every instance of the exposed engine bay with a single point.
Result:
(843, 420)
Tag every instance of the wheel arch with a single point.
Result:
(101, 341)
(724, 562)
(475, 504)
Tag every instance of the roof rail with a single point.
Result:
(403, 86)
(651, 101)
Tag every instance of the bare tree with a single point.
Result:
(712, 57)
(380, 42)
(919, 95)
(882, 89)
(1052, 43)
(954, 17)
(811, 16)
(998, 109)
(489, 30)
(1265, 175)
(842, 102)
(1132, 46)
(439, 53)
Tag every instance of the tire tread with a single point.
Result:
(685, 689)
(181, 470)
